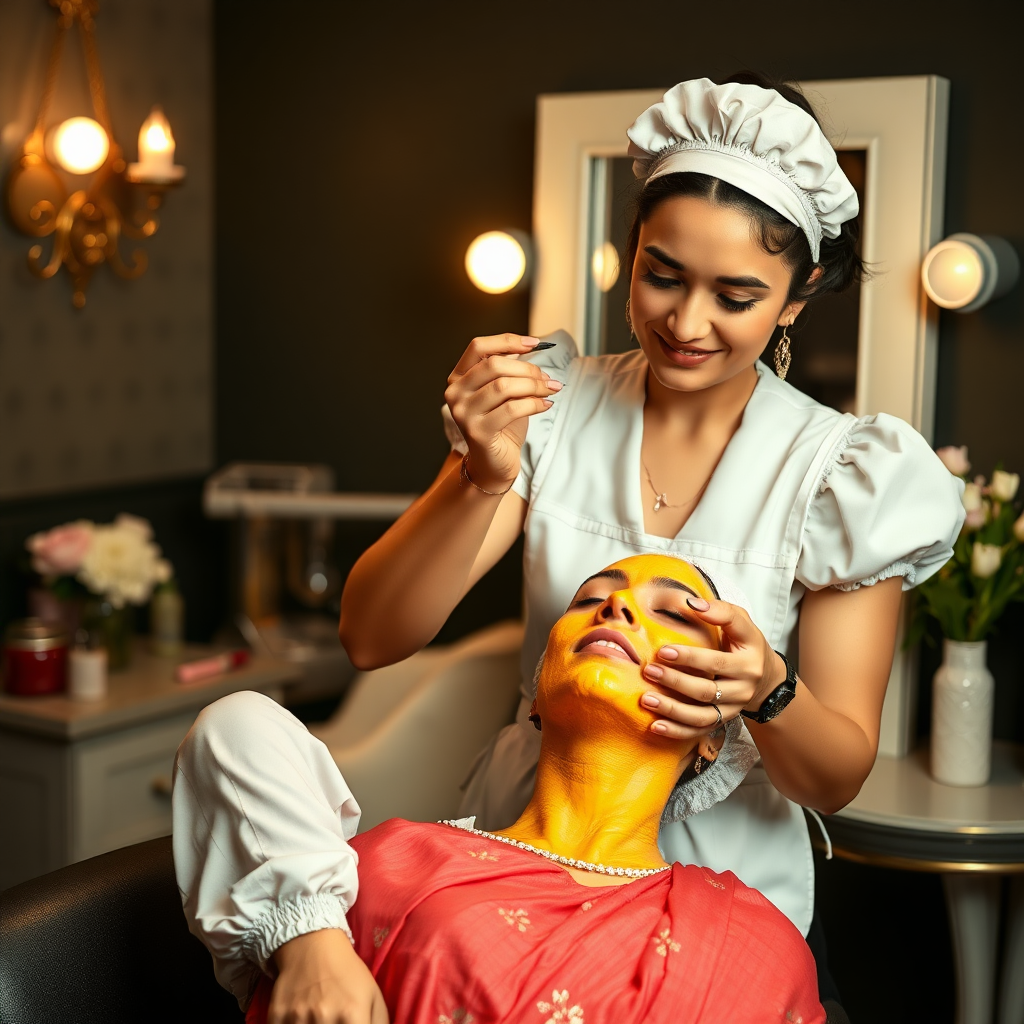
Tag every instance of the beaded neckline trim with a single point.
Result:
(580, 865)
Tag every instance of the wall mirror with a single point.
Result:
(872, 351)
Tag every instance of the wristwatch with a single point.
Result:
(778, 699)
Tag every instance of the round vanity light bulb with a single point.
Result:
(965, 271)
(604, 266)
(80, 145)
(952, 274)
(496, 261)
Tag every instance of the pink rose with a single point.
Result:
(955, 459)
(60, 551)
(975, 519)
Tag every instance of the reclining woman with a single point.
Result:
(571, 914)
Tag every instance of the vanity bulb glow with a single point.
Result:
(80, 145)
(604, 266)
(965, 271)
(953, 274)
(495, 262)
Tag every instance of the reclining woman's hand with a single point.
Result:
(491, 394)
(321, 980)
(745, 671)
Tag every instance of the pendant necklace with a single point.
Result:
(661, 500)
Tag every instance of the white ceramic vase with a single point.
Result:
(962, 697)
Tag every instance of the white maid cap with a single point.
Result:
(753, 139)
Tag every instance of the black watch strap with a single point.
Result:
(778, 699)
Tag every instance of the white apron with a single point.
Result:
(581, 478)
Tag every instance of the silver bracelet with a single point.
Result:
(465, 478)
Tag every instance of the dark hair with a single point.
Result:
(840, 264)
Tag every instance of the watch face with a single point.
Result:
(775, 703)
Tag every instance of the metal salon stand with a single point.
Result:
(902, 818)
(284, 582)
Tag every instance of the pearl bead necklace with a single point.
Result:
(581, 865)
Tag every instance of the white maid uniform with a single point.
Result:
(803, 498)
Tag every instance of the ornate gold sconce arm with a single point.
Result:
(88, 223)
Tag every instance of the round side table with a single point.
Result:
(902, 818)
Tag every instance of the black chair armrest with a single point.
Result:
(104, 941)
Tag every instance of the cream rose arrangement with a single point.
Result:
(117, 561)
(970, 592)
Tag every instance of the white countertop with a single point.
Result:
(147, 689)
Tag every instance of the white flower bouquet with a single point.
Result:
(117, 561)
(970, 592)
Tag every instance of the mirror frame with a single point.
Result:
(901, 123)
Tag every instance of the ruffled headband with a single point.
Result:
(753, 139)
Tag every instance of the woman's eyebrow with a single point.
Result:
(667, 581)
(617, 575)
(663, 257)
(744, 282)
(736, 282)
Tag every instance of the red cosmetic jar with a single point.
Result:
(35, 658)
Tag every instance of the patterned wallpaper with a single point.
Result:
(121, 391)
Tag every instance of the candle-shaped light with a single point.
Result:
(156, 152)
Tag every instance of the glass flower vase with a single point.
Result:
(112, 628)
(962, 700)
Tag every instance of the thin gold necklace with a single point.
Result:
(661, 499)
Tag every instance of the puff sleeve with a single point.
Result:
(556, 362)
(262, 819)
(886, 506)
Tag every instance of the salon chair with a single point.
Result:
(104, 941)
(407, 735)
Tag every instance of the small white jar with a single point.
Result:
(87, 673)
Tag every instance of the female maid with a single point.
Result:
(692, 446)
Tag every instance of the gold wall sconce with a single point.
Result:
(87, 222)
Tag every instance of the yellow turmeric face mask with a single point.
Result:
(615, 625)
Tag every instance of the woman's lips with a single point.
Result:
(689, 355)
(607, 643)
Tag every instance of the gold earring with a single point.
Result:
(629, 322)
(782, 354)
(698, 765)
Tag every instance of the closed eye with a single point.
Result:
(587, 600)
(658, 282)
(729, 303)
(674, 615)
(735, 305)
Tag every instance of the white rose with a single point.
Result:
(123, 563)
(972, 497)
(985, 559)
(955, 459)
(1018, 529)
(1004, 485)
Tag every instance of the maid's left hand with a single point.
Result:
(738, 676)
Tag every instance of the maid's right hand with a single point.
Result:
(491, 394)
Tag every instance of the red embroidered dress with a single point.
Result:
(460, 929)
